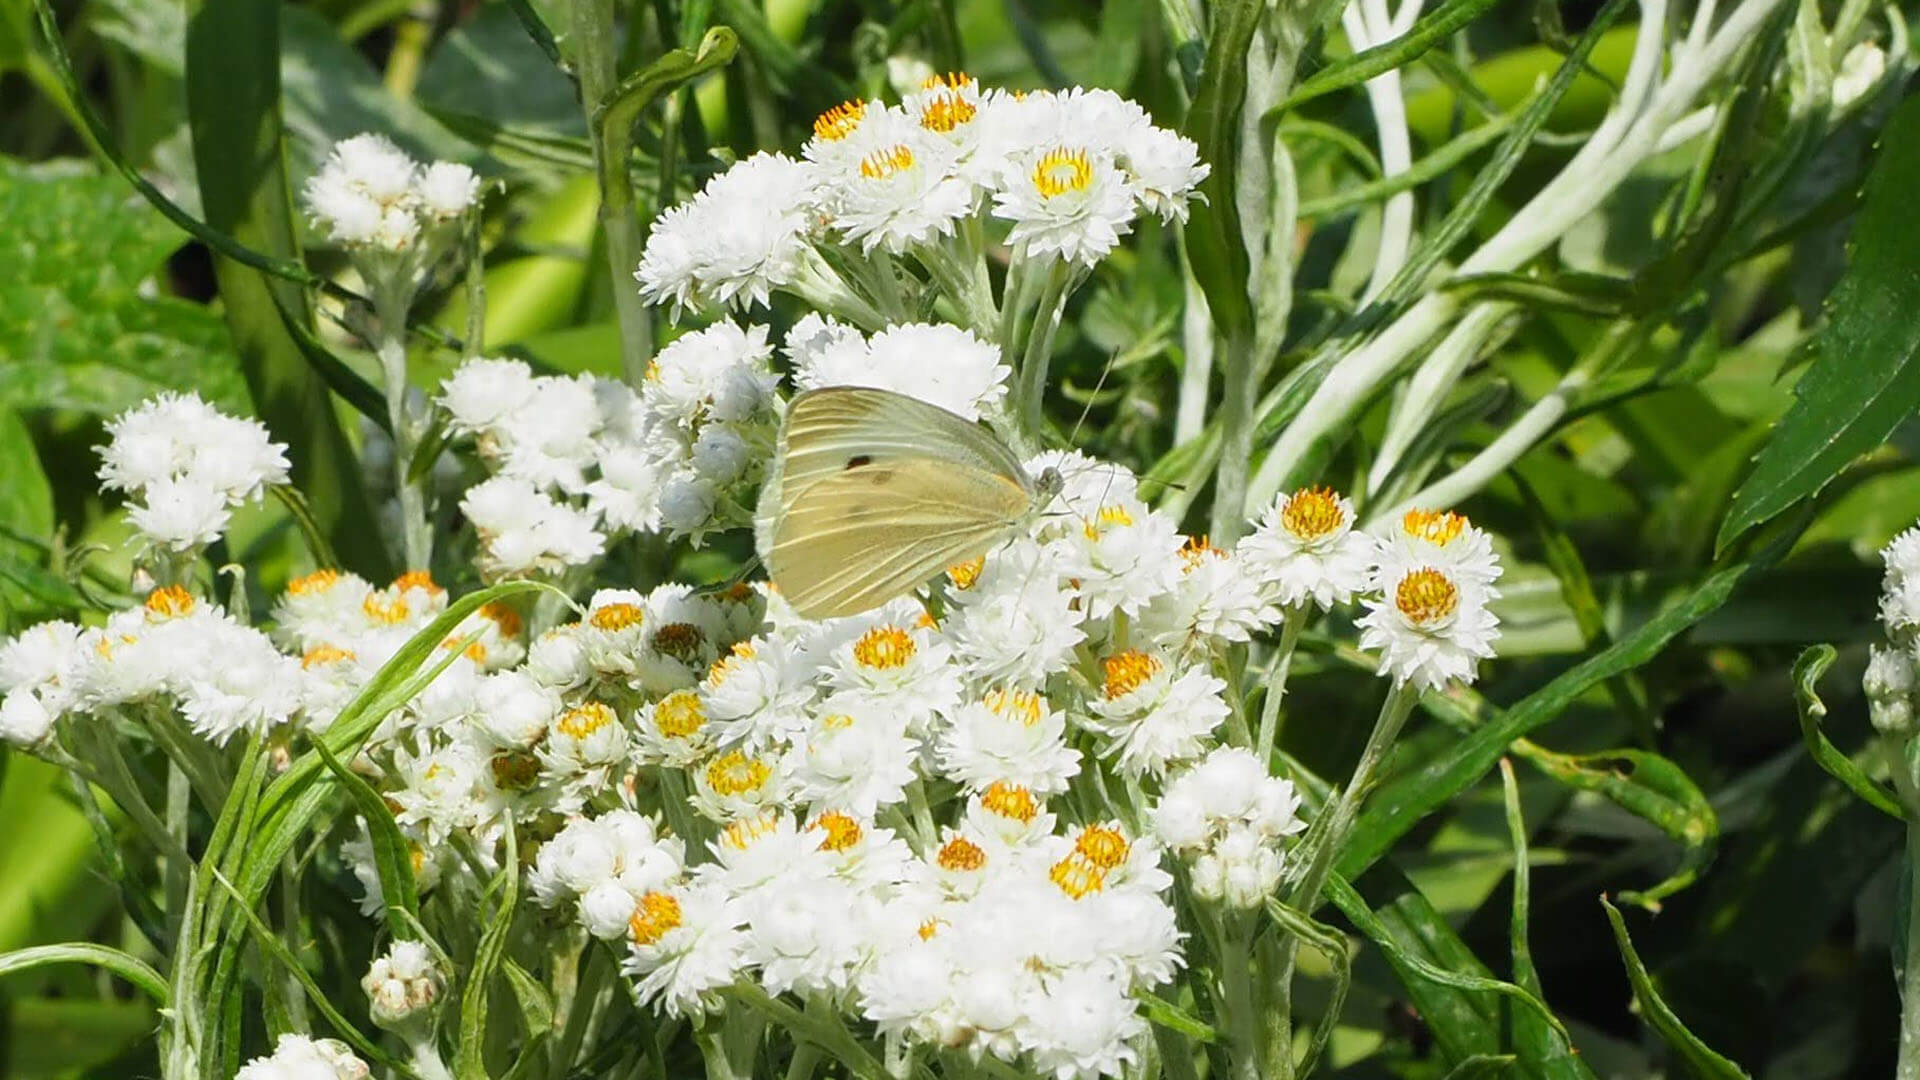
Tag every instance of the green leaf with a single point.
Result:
(125, 965)
(1430, 31)
(233, 98)
(1698, 1056)
(469, 1060)
(1865, 377)
(1403, 802)
(76, 331)
(49, 1036)
(1807, 670)
(1481, 1067)
(1547, 1051)
(1652, 788)
(1168, 1015)
(1214, 231)
(490, 67)
(392, 857)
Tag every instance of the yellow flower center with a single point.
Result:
(1060, 171)
(946, 111)
(315, 583)
(1312, 513)
(615, 617)
(1125, 672)
(741, 652)
(653, 916)
(1076, 877)
(682, 641)
(168, 602)
(679, 715)
(952, 80)
(965, 575)
(1108, 517)
(504, 618)
(1028, 708)
(416, 579)
(1010, 801)
(583, 720)
(883, 648)
(388, 608)
(836, 722)
(842, 832)
(322, 655)
(888, 162)
(1102, 846)
(1425, 596)
(1198, 550)
(734, 773)
(840, 121)
(961, 855)
(931, 927)
(475, 652)
(1436, 527)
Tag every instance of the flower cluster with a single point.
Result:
(1230, 817)
(576, 461)
(186, 465)
(370, 195)
(296, 1057)
(402, 985)
(1064, 174)
(1893, 669)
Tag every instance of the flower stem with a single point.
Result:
(1346, 807)
(596, 45)
(390, 345)
(1908, 1063)
(1236, 987)
(1277, 671)
(1236, 439)
(1038, 354)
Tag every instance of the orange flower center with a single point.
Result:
(1312, 513)
(583, 720)
(840, 121)
(1010, 801)
(888, 162)
(322, 655)
(1126, 671)
(1436, 527)
(842, 832)
(312, 584)
(1426, 596)
(679, 715)
(1061, 170)
(961, 855)
(653, 916)
(735, 773)
(615, 617)
(884, 648)
(168, 602)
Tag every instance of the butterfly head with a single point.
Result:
(1047, 485)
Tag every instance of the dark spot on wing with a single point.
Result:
(858, 460)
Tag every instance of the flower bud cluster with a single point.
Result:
(297, 1057)
(1892, 670)
(403, 986)
(1229, 817)
(186, 465)
(369, 195)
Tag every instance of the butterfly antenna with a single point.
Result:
(737, 577)
(1073, 438)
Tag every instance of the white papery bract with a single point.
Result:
(1228, 817)
(370, 195)
(1442, 540)
(403, 984)
(1431, 626)
(741, 237)
(940, 364)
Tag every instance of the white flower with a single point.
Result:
(736, 785)
(1214, 598)
(1432, 626)
(187, 464)
(402, 984)
(1229, 817)
(907, 670)
(180, 514)
(1440, 539)
(1155, 715)
(25, 720)
(365, 192)
(1889, 685)
(1306, 550)
(1011, 736)
(1067, 200)
(1123, 555)
(447, 189)
(722, 369)
(740, 238)
(898, 185)
(524, 531)
(1014, 619)
(684, 945)
(1166, 169)
(482, 393)
(937, 363)
(444, 789)
(515, 709)
(297, 1057)
(807, 935)
(853, 756)
(1084, 1025)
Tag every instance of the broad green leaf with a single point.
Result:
(1214, 231)
(233, 97)
(1865, 377)
(1699, 1058)
(1806, 677)
(79, 326)
(489, 67)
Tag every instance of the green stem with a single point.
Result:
(390, 345)
(1236, 989)
(1277, 671)
(596, 44)
(1038, 354)
(1346, 807)
(1908, 1067)
(1241, 390)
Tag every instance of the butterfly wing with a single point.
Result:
(837, 428)
(856, 539)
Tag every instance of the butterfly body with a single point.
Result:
(872, 493)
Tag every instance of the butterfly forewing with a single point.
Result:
(831, 429)
(864, 535)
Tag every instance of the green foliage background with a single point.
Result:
(1672, 772)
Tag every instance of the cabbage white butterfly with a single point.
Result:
(871, 493)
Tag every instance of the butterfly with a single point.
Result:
(872, 493)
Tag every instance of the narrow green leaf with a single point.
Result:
(1333, 945)
(1214, 231)
(233, 98)
(1405, 801)
(1168, 1015)
(1698, 1056)
(1482, 1067)
(391, 855)
(302, 514)
(1813, 663)
(1400, 944)
(1865, 377)
(128, 967)
(1652, 788)
(469, 1058)
(1547, 1053)
(1430, 31)
(1442, 159)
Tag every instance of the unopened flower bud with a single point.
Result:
(1889, 686)
(402, 985)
